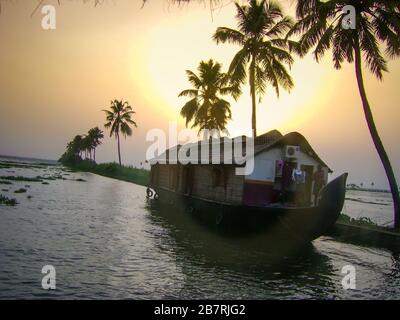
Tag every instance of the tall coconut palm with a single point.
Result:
(206, 109)
(262, 57)
(119, 119)
(87, 146)
(326, 25)
(95, 135)
(76, 145)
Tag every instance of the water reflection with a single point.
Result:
(257, 259)
(106, 241)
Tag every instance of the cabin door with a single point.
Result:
(309, 180)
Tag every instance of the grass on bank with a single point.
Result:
(362, 221)
(365, 223)
(114, 170)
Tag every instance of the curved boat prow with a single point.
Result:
(334, 192)
(331, 202)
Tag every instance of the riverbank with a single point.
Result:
(115, 171)
(361, 231)
(371, 236)
(106, 225)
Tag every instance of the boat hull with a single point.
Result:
(303, 224)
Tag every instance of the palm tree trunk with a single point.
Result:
(375, 137)
(94, 154)
(253, 96)
(119, 149)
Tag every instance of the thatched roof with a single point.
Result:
(293, 139)
(264, 142)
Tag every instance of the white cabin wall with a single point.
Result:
(264, 164)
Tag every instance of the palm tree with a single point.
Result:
(95, 135)
(263, 54)
(87, 146)
(76, 145)
(119, 119)
(321, 25)
(206, 109)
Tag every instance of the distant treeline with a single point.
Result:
(83, 147)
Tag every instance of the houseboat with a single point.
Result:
(287, 189)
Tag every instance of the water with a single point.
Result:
(377, 206)
(106, 242)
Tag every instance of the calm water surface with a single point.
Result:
(106, 242)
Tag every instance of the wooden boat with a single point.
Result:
(301, 223)
(266, 200)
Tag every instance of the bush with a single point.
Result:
(114, 170)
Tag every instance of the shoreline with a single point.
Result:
(344, 229)
(370, 236)
(114, 171)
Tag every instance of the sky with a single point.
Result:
(54, 84)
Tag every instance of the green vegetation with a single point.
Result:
(325, 25)
(22, 165)
(5, 182)
(20, 178)
(263, 55)
(94, 137)
(7, 201)
(119, 119)
(114, 170)
(21, 190)
(362, 221)
(83, 145)
(206, 109)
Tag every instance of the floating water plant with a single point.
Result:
(21, 190)
(20, 178)
(7, 201)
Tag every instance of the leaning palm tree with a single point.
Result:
(262, 56)
(328, 24)
(95, 135)
(119, 119)
(206, 109)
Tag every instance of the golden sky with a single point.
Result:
(54, 83)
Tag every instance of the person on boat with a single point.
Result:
(299, 178)
(319, 183)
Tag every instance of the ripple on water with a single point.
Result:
(105, 242)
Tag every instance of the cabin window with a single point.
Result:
(218, 177)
